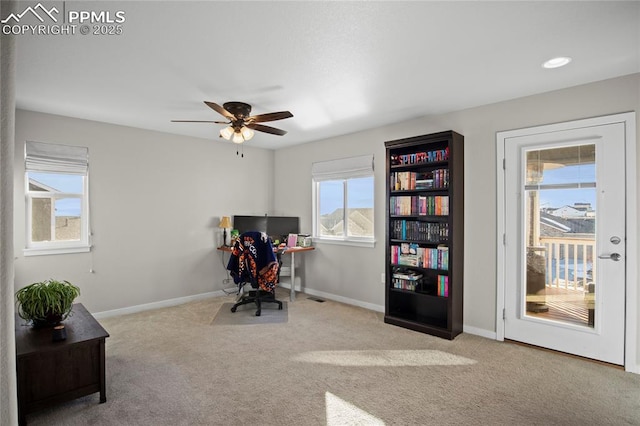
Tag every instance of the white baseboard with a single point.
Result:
(218, 293)
(342, 299)
(287, 284)
(378, 308)
(479, 332)
(157, 305)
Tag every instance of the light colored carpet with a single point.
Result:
(334, 364)
(246, 314)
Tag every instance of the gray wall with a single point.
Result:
(155, 204)
(353, 274)
(156, 199)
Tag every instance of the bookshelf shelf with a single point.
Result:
(420, 294)
(420, 269)
(408, 240)
(408, 167)
(421, 217)
(425, 233)
(418, 191)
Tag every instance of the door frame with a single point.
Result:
(631, 297)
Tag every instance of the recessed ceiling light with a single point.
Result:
(560, 61)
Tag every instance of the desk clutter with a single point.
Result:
(298, 240)
(281, 241)
(282, 229)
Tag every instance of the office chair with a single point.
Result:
(253, 262)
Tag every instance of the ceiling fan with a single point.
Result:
(241, 123)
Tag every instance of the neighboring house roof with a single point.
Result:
(34, 185)
(582, 206)
(546, 220)
(550, 224)
(568, 211)
(360, 221)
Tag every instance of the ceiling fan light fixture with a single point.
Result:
(241, 126)
(227, 132)
(237, 137)
(247, 133)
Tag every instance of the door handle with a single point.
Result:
(613, 256)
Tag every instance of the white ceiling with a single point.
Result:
(339, 67)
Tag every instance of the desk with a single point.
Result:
(292, 251)
(52, 372)
(289, 250)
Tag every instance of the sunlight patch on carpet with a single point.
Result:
(383, 358)
(341, 412)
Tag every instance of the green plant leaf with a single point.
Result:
(40, 300)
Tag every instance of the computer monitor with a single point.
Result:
(250, 223)
(278, 227)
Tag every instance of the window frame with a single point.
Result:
(36, 248)
(344, 176)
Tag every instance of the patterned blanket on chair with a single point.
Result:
(252, 256)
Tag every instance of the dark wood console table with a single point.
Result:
(52, 372)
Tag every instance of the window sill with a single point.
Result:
(44, 251)
(353, 243)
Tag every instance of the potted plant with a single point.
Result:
(46, 303)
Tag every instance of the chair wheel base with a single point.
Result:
(257, 297)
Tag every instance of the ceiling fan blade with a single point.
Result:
(272, 116)
(199, 121)
(217, 108)
(266, 129)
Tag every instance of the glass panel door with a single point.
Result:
(565, 239)
(560, 218)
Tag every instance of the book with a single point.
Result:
(443, 286)
(409, 254)
(406, 279)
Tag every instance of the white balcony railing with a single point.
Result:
(569, 262)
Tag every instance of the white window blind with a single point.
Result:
(47, 157)
(343, 168)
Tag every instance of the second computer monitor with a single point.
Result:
(277, 227)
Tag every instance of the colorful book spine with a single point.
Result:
(411, 254)
(443, 286)
(421, 231)
(422, 157)
(420, 205)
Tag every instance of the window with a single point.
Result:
(343, 200)
(56, 188)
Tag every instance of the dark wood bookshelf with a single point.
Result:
(425, 170)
